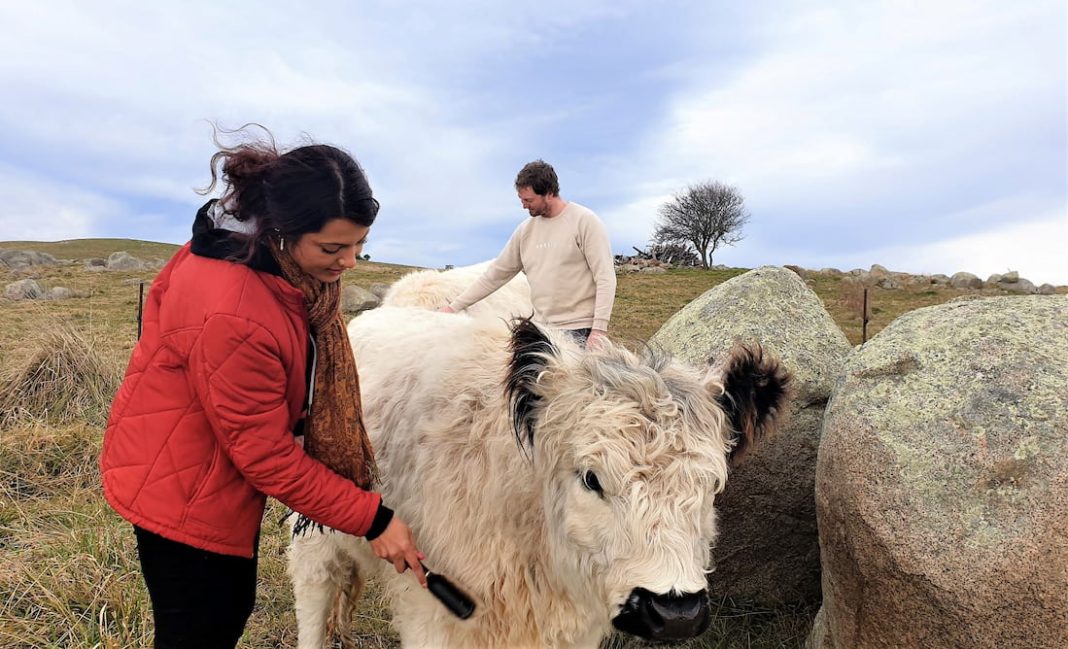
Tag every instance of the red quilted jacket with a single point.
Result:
(201, 429)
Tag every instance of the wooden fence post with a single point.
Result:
(140, 305)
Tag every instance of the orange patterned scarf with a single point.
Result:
(333, 431)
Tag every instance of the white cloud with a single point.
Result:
(632, 224)
(38, 209)
(844, 94)
(893, 115)
(125, 102)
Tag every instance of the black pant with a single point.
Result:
(199, 599)
(580, 335)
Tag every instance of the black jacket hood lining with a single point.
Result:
(217, 243)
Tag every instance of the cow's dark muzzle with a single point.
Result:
(664, 617)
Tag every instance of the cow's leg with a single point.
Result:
(416, 633)
(316, 568)
(422, 622)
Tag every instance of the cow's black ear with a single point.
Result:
(531, 354)
(756, 389)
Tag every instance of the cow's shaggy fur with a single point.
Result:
(430, 289)
(547, 482)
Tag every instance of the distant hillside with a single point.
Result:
(80, 249)
(366, 272)
(643, 301)
(90, 248)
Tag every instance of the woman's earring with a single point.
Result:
(281, 243)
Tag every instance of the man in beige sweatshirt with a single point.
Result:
(567, 257)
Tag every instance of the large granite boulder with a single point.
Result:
(355, 299)
(965, 280)
(24, 258)
(123, 260)
(942, 483)
(59, 293)
(768, 550)
(1018, 285)
(24, 289)
(379, 289)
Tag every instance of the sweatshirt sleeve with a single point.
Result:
(598, 251)
(507, 264)
(237, 372)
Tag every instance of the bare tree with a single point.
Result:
(705, 216)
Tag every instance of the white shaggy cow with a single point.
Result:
(430, 289)
(564, 491)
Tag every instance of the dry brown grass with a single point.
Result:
(105, 310)
(70, 577)
(646, 301)
(62, 378)
(839, 298)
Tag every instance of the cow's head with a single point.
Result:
(630, 453)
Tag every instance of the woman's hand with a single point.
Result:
(397, 546)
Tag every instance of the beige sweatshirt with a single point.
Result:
(568, 262)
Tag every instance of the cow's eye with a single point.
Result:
(590, 481)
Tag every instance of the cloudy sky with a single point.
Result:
(923, 136)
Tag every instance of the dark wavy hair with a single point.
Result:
(540, 177)
(285, 195)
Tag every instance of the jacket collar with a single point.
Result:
(219, 243)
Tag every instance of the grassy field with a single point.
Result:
(69, 577)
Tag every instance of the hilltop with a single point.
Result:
(82, 249)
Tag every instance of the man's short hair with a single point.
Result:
(540, 177)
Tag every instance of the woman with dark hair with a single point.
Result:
(243, 385)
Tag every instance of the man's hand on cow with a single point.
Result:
(596, 339)
(397, 546)
(447, 309)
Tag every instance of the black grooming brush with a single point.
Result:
(454, 599)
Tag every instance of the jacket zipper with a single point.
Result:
(311, 376)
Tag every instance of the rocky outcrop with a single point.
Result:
(29, 289)
(123, 260)
(59, 293)
(379, 289)
(1012, 282)
(17, 259)
(24, 289)
(879, 276)
(355, 299)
